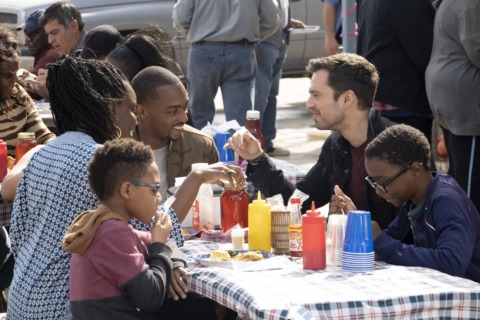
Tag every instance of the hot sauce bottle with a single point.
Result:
(295, 228)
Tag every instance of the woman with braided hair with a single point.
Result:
(91, 103)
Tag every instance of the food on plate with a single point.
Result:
(224, 255)
(220, 255)
(249, 256)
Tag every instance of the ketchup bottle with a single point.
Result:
(252, 124)
(313, 232)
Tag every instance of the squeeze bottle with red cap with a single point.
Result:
(259, 225)
(314, 249)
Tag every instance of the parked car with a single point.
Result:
(130, 15)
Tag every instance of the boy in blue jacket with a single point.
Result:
(444, 221)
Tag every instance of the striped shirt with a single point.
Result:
(18, 114)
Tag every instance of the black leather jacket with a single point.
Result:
(332, 168)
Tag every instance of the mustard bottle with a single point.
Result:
(259, 225)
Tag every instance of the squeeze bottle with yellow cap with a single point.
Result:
(259, 225)
(313, 229)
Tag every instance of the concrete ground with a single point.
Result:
(295, 128)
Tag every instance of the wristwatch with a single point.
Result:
(258, 159)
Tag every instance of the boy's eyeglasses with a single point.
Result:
(381, 187)
(155, 186)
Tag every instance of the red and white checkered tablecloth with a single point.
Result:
(289, 292)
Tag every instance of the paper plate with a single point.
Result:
(204, 259)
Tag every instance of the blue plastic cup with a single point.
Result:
(358, 233)
(225, 155)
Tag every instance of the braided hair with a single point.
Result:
(83, 94)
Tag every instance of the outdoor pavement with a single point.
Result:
(295, 128)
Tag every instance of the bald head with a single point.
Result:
(149, 79)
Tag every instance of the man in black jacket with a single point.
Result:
(341, 91)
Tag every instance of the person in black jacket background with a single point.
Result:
(397, 37)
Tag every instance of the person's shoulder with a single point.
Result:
(51, 54)
(441, 180)
(192, 133)
(379, 122)
(444, 187)
(19, 90)
(19, 97)
(334, 139)
(447, 194)
(113, 227)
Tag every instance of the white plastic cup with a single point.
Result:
(237, 238)
(335, 238)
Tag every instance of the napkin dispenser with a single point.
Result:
(217, 191)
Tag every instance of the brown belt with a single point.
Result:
(243, 42)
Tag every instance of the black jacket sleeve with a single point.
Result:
(149, 288)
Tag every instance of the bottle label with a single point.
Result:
(295, 238)
(196, 215)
